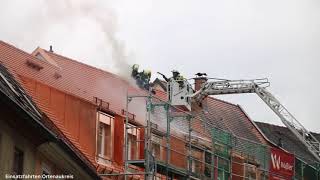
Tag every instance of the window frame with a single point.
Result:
(154, 139)
(194, 161)
(245, 168)
(133, 133)
(40, 57)
(101, 155)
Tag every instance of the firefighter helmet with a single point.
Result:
(135, 67)
(147, 73)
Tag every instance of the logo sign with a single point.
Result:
(281, 163)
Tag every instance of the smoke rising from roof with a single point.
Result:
(68, 25)
(105, 19)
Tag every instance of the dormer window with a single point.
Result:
(40, 57)
(104, 137)
(132, 142)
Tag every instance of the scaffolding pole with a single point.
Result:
(128, 99)
(167, 140)
(148, 141)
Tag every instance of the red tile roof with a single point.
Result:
(74, 77)
(232, 118)
(16, 62)
(8, 57)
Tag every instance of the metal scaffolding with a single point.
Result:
(184, 140)
(177, 144)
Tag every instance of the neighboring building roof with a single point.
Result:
(223, 115)
(282, 136)
(229, 117)
(10, 88)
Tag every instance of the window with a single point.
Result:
(250, 171)
(40, 57)
(132, 147)
(196, 161)
(208, 164)
(104, 136)
(223, 165)
(132, 142)
(17, 168)
(156, 146)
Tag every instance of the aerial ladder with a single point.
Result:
(258, 86)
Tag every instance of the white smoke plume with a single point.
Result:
(105, 18)
(82, 30)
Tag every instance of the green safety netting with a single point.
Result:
(224, 142)
(305, 171)
(256, 153)
(222, 148)
(221, 136)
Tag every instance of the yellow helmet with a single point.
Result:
(147, 72)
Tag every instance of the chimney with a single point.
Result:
(51, 50)
(198, 82)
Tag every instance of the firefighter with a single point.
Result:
(147, 74)
(145, 78)
(175, 74)
(179, 78)
(135, 69)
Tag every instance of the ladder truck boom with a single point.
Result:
(258, 86)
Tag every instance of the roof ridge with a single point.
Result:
(230, 103)
(17, 49)
(25, 53)
(269, 124)
(87, 65)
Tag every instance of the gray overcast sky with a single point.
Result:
(228, 39)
